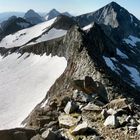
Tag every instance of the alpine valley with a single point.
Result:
(65, 77)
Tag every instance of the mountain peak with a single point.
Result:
(54, 11)
(33, 17)
(31, 13)
(113, 5)
(52, 14)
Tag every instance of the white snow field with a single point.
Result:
(24, 36)
(24, 82)
(51, 34)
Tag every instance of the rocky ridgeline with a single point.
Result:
(86, 116)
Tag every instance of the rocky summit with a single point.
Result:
(97, 95)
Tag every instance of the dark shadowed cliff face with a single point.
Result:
(117, 22)
(33, 17)
(12, 25)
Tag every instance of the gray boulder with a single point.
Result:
(83, 129)
(67, 121)
(71, 107)
(19, 135)
(91, 107)
(111, 121)
(80, 129)
(80, 96)
(138, 129)
(104, 114)
(111, 111)
(37, 137)
(49, 135)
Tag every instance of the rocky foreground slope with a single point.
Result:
(97, 96)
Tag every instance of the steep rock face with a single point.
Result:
(116, 21)
(17, 133)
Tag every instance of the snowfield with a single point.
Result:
(24, 82)
(51, 34)
(24, 36)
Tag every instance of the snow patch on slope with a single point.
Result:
(87, 27)
(121, 54)
(131, 17)
(24, 36)
(109, 63)
(132, 40)
(134, 73)
(52, 34)
(24, 82)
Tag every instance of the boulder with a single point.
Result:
(91, 107)
(71, 107)
(104, 114)
(83, 129)
(118, 104)
(78, 85)
(122, 120)
(19, 135)
(80, 96)
(131, 121)
(49, 135)
(111, 121)
(132, 128)
(37, 137)
(67, 121)
(80, 129)
(90, 85)
(138, 129)
(111, 111)
(93, 138)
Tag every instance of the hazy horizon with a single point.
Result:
(75, 7)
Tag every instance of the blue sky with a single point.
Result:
(73, 6)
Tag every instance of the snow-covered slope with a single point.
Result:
(51, 34)
(24, 36)
(24, 81)
(38, 33)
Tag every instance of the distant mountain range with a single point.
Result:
(52, 13)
